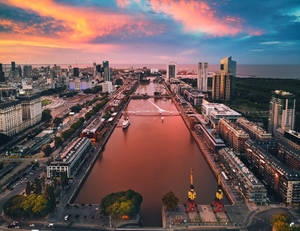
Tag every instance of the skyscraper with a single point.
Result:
(76, 71)
(27, 70)
(282, 111)
(2, 79)
(106, 71)
(202, 77)
(171, 71)
(223, 83)
(13, 66)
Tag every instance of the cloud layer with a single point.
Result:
(147, 30)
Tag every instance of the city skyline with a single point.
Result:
(153, 31)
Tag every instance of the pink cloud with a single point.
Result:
(199, 17)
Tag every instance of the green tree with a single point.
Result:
(281, 222)
(46, 115)
(58, 141)
(47, 150)
(64, 179)
(28, 188)
(37, 186)
(170, 201)
(57, 121)
(121, 203)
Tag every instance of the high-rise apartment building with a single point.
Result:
(223, 83)
(106, 71)
(282, 111)
(171, 71)
(202, 77)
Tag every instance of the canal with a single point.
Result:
(152, 157)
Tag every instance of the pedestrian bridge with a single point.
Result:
(159, 111)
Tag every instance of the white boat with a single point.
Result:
(125, 123)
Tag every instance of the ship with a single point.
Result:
(125, 123)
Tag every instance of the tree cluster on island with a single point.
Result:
(120, 204)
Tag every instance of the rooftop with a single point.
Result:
(274, 162)
(243, 169)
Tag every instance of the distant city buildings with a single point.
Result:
(107, 87)
(171, 71)
(223, 83)
(282, 112)
(202, 77)
(2, 78)
(106, 71)
(13, 66)
(76, 72)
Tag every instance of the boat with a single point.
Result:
(125, 123)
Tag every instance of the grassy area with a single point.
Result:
(253, 96)
(46, 102)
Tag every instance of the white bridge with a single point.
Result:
(159, 111)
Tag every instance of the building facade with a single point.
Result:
(70, 159)
(232, 135)
(10, 118)
(19, 114)
(254, 131)
(252, 189)
(223, 83)
(277, 175)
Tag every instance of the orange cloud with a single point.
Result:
(85, 23)
(198, 17)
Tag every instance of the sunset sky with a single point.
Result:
(149, 31)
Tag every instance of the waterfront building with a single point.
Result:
(193, 96)
(292, 138)
(106, 71)
(223, 83)
(277, 175)
(70, 159)
(254, 131)
(282, 112)
(213, 112)
(202, 77)
(232, 135)
(253, 190)
(171, 71)
(107, 87)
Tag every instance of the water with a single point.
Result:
(151, 157)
